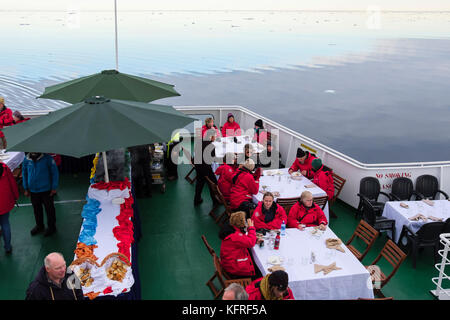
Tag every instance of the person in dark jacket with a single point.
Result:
(140, 170)
(55, 282)
(204, 152)
(8, 196)
(271, 158)
(40, 181)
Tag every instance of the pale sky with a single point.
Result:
(387, 5)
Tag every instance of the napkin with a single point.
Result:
(418, 217)
(404, 205)
(428, 202)
(276, 268)
(310, 185)
(434, 218)
(326, 269)
(334, 244)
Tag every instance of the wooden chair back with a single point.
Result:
(321, 201)
(244, 282)
(287, 203)
(366, 233)
(394, 255)
(210, 249)
(219, 219)
(188, 156)
(338, 185)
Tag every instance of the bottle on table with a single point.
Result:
(283, 228)
(277, 241)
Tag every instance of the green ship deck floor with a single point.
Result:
(173, 261)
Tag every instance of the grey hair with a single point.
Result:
(239, 291)
(47, 259)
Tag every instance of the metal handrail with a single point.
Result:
(314, 143)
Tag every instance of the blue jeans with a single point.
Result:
(6, 230)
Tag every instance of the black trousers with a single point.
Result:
(38, 200)
(203, 170)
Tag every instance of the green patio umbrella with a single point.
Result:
(112, 84)
(96, 125)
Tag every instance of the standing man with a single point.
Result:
(53, 282)
(40, 181)
(6, 118)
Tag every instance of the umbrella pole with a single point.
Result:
(117, 49)
(105, 165)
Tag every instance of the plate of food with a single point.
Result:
(296, 175)
(275, 260)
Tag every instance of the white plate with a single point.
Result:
(275, 260)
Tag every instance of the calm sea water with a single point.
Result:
(373, 86)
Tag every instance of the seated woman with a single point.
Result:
(18, 117)
(268, 214)
(271, 158)
(209, 125)
(226, 173)
(273, 286)
(303, 163)
(260, 133)
(231, 128)
(305, 213)
(323, 177)
(244, 185)
(234, 255)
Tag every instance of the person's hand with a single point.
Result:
(250, 223)
(257, 174)
(301, 227)
(290, 171)
(304, 173)
(52, 193)
(322, 227)
(27, 193)
(213, 138)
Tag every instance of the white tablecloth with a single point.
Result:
(12, 159)
(229, 146)
(107, 242)
(351, 282)
(287, 187)
(393, 210)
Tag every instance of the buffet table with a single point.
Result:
(279, 180)
(439, 209)
(352, 281)
(106, 254)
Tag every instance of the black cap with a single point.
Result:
(300, 153)
(279, 279)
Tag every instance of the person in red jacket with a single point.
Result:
(18, 117)
(226, 173)
(3, 143)
(244, 185)
(231, 128)
(209, 125)
(8, 196)
(303, 163)
(268, 214)
(235, 258)
(323, 177)
(6, 118)
(273, 286)
(305, 213)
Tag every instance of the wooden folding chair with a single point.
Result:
(321, 201)
(338, 185)
(243, 282)
(395, 256)
(366, 233)
(215, 190)
(219, 219)
(287, 203)
(210, 249)
(188, 156)
(220, 275)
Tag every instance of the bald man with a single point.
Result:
(54, 281)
